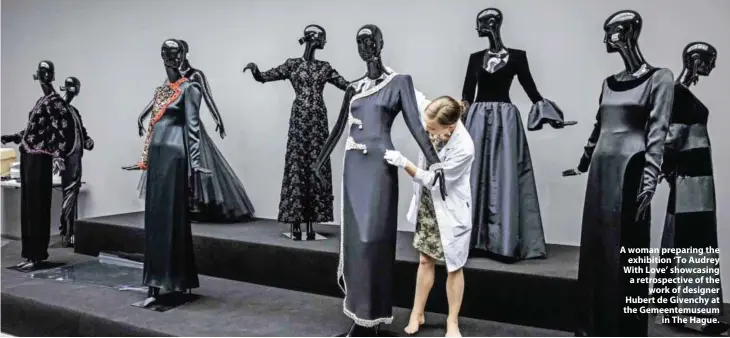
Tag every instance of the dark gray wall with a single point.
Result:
(113, 47)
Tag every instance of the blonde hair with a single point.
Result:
(445, 110)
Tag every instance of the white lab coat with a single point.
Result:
(453, 214)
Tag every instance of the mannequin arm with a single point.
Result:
(145, 113)
(281, 72)
(458, 163)
(336, 133)
(528, 83)
(199, 78)
(585, 160)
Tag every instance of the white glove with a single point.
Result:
(394, 157)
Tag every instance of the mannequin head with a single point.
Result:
(369, 42)
(489, 22)
(45, 73)
(314, 35)
(622, 30)
(72, 87)
(699, 57)
(173, 53)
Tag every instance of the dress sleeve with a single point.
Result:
(525, 77)
(412, 117)
(454, 167)
(336, 79)
(590, 146)
(192, 99)
(337, 131)
(662, 98)
(470, 81)
(59, 114)
(282, 72)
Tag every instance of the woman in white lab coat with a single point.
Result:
(443, 225)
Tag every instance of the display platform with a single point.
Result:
(42, 307)
(536, 293)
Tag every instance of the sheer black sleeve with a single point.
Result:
(337, 131)
(525, 77)
(199, 78)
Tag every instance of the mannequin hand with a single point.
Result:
(395, 158)
(200, 170)
(58, 165)
(221, 130)
(132, 167)
(250, 66)
(442, 183)
(9, 138)
(140, 128)
(644, 201)
(89, 144)
(571, 172)
(318, 173)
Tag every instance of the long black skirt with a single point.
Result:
(506, 212)
(368, 239)
(169, 259)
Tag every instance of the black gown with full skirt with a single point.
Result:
(174, 149)
(624, 153)
(507, 222)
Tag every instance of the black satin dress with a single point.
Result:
(174, 148)
(624, 152)
(691, 220)
(370, 192)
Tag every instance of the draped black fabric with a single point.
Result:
(623, 153)
(174, 149)
(691, 219)
(36, 188)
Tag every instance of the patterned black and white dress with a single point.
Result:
(303, 197)
(427, 239)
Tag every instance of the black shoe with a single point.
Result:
(311, 235)
(296, 232)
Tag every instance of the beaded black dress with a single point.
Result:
(303, 197)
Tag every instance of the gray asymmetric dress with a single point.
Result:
(370, 192)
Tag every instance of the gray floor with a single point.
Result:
(227, 308)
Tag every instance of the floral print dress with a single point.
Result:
(427, 239)
(303, 197)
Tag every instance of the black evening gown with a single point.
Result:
(221, 196)
(624, 152)
(691, 220)
(370, 192)
(507, 223)
(173, 149)
(303, 197)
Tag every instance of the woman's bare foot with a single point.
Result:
(414, 323)
(452, 329)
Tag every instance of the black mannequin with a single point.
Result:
(169, 255)
(71, 177)
(197, 75)
(369, 45)
(42, 153)
(622, 33)
(698, 59)
(305, 208)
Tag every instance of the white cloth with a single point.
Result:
(453, 214)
